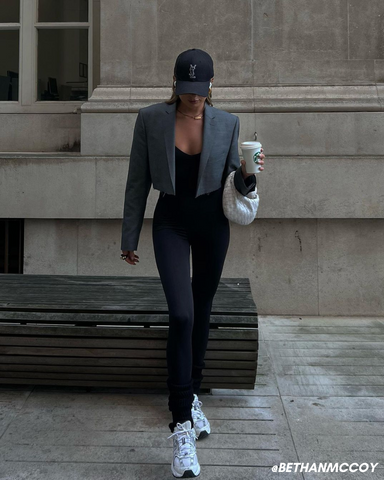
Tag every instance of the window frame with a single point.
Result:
(28, 49)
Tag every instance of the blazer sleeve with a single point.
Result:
(233, 164)
(137, 188)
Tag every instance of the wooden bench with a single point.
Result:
(110, 331)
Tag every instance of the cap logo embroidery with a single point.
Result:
(192, 71)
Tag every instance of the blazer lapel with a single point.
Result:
(169, 138)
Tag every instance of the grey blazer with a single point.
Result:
(152, 161)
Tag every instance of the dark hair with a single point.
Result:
(175, 98)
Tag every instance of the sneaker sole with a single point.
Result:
(186, 474)
(203, 434)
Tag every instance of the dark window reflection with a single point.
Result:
(9, 65)
(9, 11)
(63, 11)
(11, 245)
(62, 64)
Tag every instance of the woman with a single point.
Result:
(186, 148)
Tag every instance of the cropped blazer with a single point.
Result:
(152, 161)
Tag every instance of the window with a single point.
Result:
(46, 54)
(62, 52)
(9, 51)
(11, 245)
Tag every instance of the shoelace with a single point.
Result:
(183, 447)
(197, 409)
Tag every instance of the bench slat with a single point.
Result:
(10, 370)
(133, 384)
(126, 353)
(233, 320)
(21, 330)
(120, 378)
(12, 361)
(104, 344)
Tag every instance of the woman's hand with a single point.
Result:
(131, 258)
(243, 164)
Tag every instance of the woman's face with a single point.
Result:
(191, 100)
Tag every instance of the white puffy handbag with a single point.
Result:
(238, 208)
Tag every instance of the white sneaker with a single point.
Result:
(200, 421)
(185, 463)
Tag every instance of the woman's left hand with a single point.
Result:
(243, 164)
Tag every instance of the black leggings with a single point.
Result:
(181, 223)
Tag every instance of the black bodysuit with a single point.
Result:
(187, 169)
(181, 224)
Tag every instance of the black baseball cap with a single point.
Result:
(193, 72)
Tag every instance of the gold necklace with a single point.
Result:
(196, 117)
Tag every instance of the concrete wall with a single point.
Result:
(308, 76)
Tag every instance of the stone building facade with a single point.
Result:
(308, 76)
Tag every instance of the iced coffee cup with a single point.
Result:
(251, 154)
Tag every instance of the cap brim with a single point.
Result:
(197, 88)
